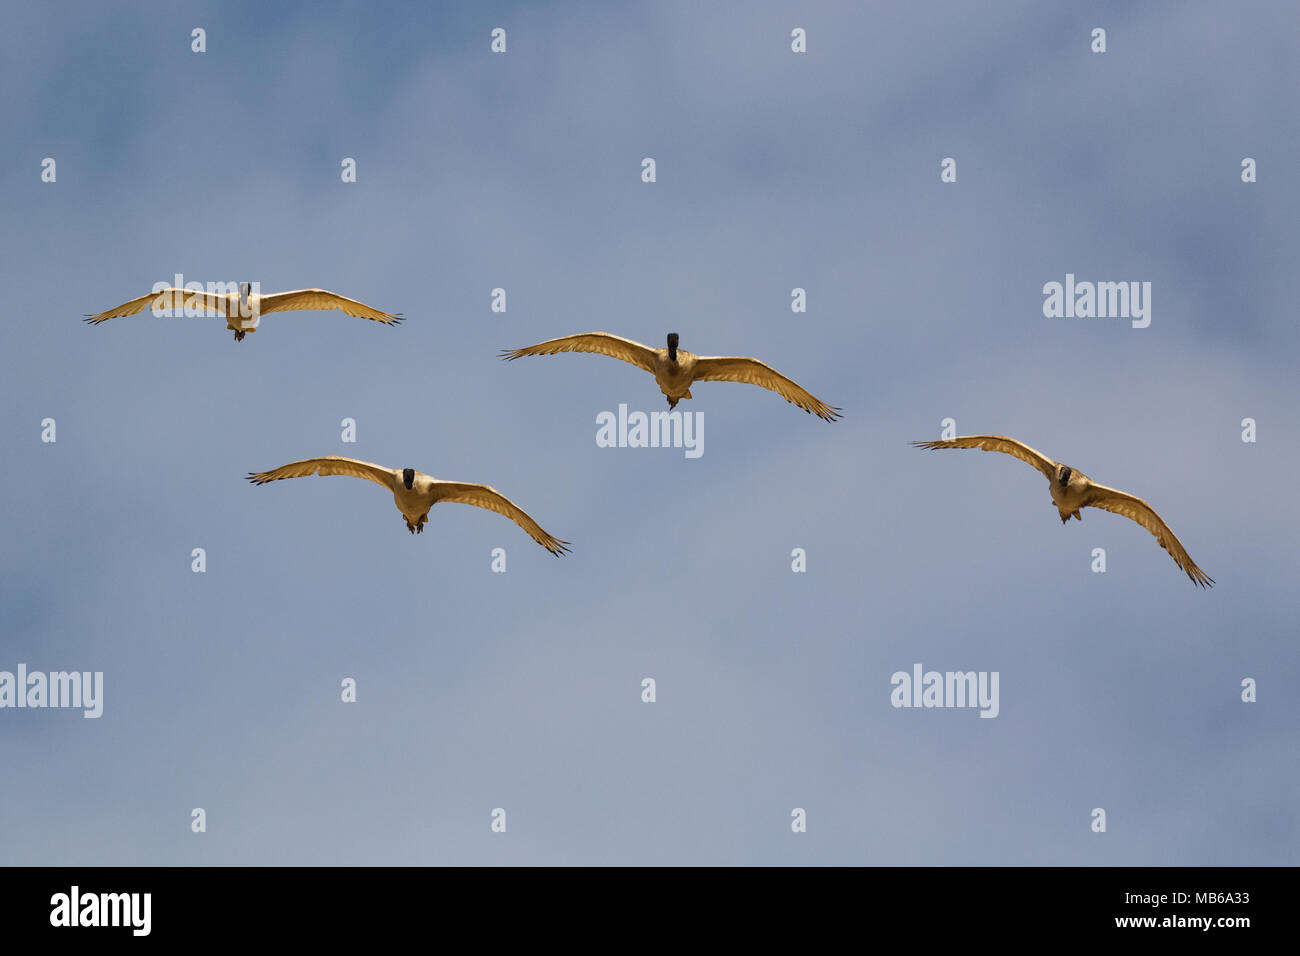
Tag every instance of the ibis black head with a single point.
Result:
(408, 478)
(672, 346)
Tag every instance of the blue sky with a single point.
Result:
(522, 690)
